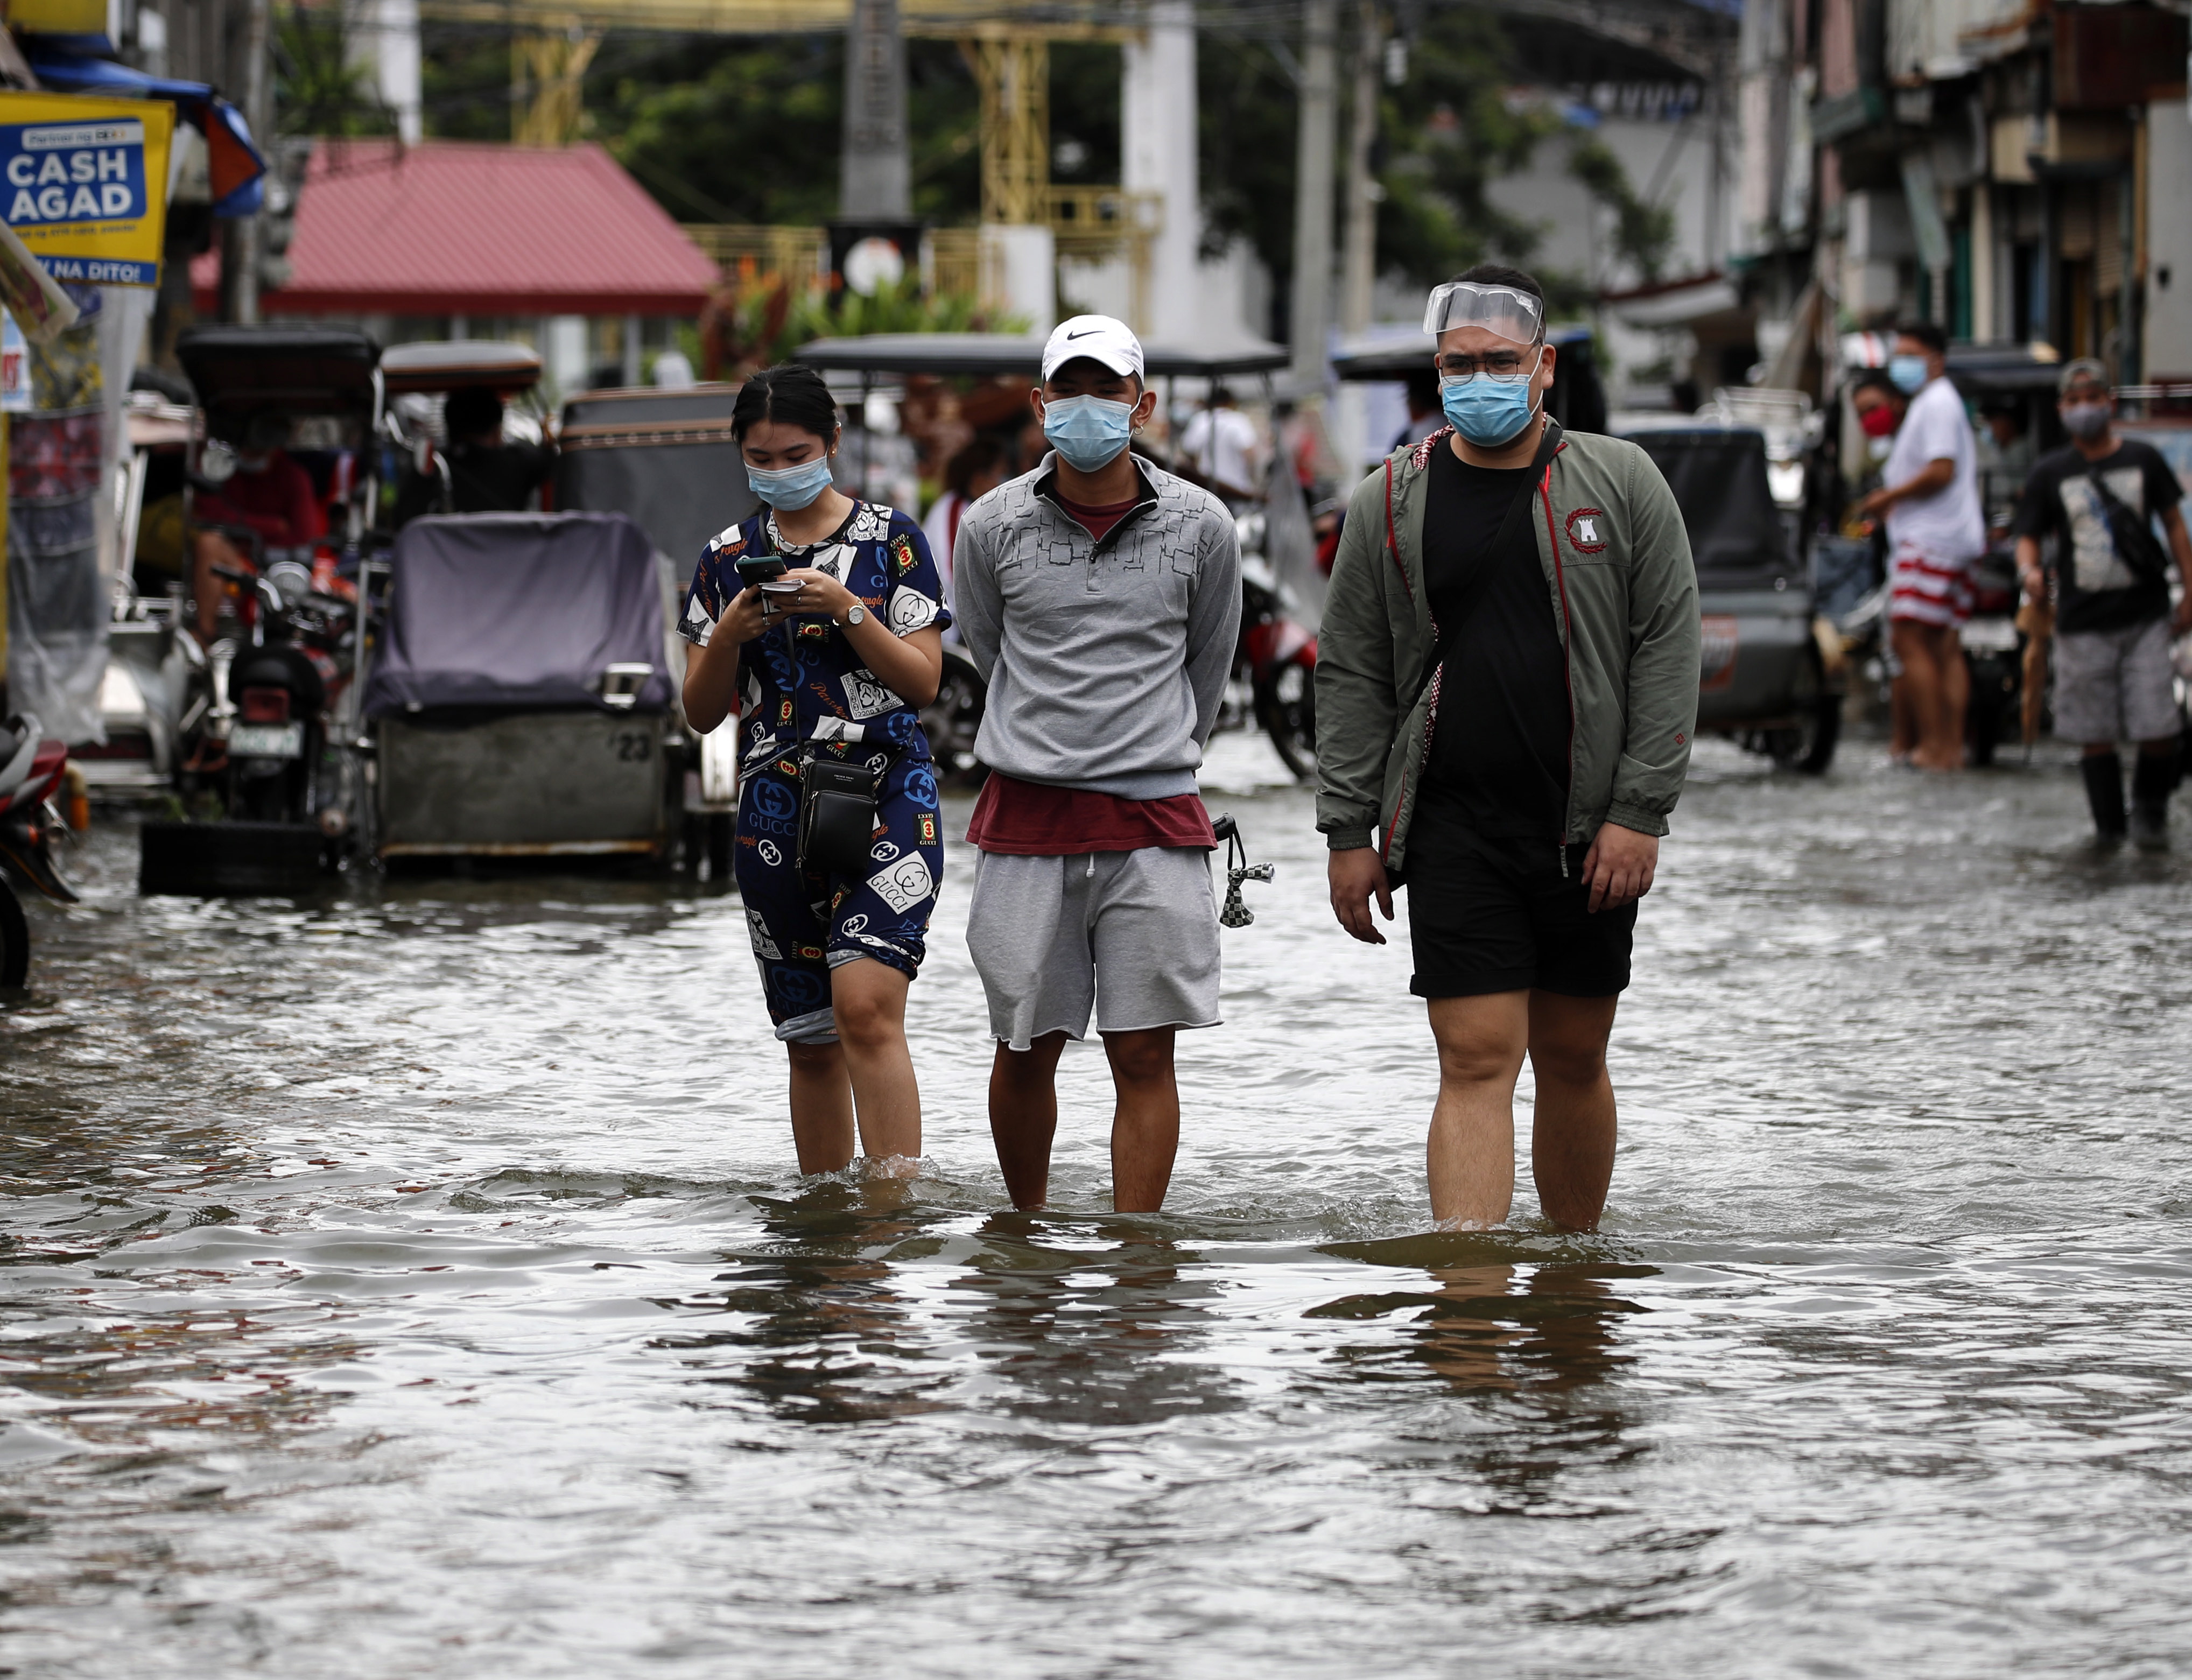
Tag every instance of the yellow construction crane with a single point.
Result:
(1005, 44)
(553, 41)
(1013, 73)
(547, 81)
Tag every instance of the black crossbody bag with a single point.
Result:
(2133, 536)
(838, 804)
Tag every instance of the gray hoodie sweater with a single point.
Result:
(1106, 661)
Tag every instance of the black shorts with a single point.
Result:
(1487, 915)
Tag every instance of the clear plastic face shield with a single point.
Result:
(1501, 311)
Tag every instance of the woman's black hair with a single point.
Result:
(792, 393)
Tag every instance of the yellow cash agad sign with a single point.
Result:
(58, 17)
(84, 182)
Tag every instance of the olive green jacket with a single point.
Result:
(1624, 593)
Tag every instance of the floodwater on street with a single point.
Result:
(417, 1283)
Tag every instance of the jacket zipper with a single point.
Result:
(1385, 851)
(1568, 641)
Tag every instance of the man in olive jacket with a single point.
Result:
(1506, 687)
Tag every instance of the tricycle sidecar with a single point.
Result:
(1763, 681)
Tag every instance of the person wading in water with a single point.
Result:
(1100, 596)
(832, 656)
(1506, 687)
(2098, 498)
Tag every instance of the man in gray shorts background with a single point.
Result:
(1100, 596)
(2098, 498)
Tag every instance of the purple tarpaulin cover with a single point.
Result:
(518, 609)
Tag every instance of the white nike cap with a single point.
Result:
(1097, 337)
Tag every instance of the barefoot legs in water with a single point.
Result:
(1145, 1120)
(869, 1070)
(1482, 1041)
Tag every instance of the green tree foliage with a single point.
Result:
(751, 134)
(900, 308)
(1643, 233)
(464, 79)
(732, 128)
(1447, 133)
(1444, 135)
(749, 130)
(746, 327)
(1246, 130)
(317, 88)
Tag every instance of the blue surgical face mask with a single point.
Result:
(1090, 432)
(1908, 373)
(1488, 411)
(791, 487)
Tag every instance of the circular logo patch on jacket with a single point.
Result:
(1587, 530)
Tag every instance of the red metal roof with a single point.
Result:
(459, 227)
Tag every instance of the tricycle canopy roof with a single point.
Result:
(460, 365)
(296, 370)
(1003, 354)
(1718, 476)
(665, 458)
(1993, 369)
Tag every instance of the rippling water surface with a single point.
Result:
(417, 1283)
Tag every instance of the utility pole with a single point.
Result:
(876, 177)
(1157, 154)
(239, 250)
(1310, 315)
(1359, 247)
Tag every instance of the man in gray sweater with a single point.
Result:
(1100, 596)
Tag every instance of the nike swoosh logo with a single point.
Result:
(1090, 333)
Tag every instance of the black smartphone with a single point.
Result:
(755, 569)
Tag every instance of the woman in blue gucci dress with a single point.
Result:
(830, 664)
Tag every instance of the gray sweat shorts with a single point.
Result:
(2114, 685)
(1131, 935)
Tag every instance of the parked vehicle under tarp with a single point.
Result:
(519, 609)
(520, 706)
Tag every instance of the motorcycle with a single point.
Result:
(269, 777)
(1277, 656)
(31, 772)
(273, 763)
(1283, 578)
(1993, 654)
